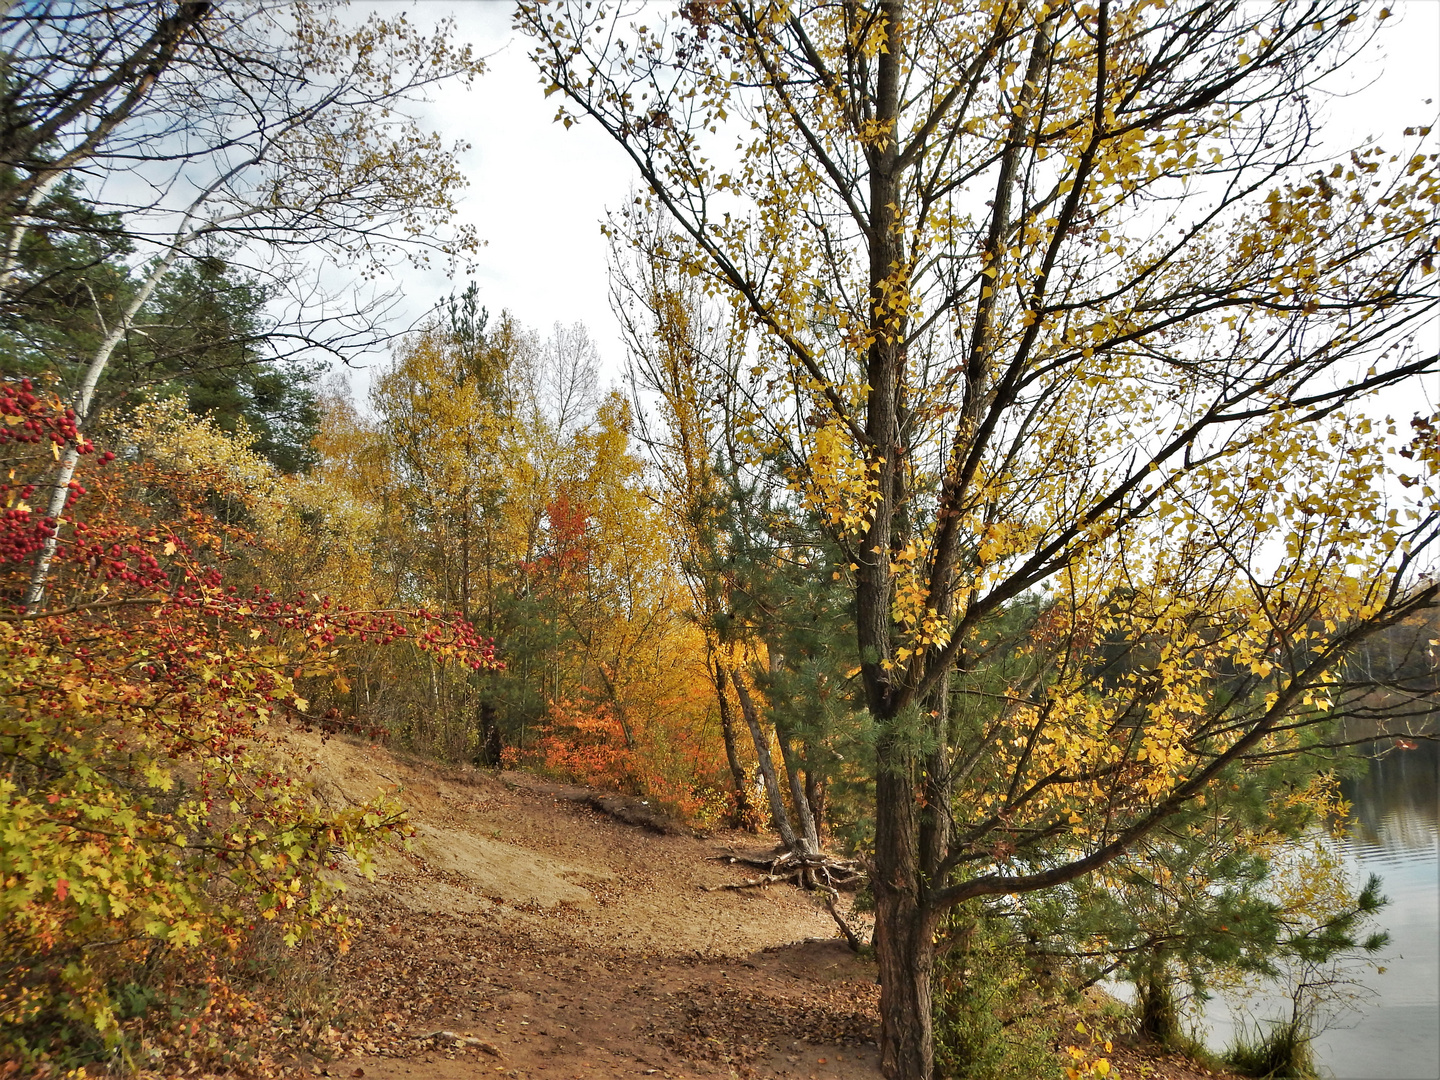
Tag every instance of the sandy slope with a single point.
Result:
(563, 943)
(526, 935)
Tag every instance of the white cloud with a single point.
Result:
(537, 191)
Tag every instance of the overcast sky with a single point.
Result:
(538, 191)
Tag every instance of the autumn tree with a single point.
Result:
(673, 344)
(759, 572)
(499, 480)
(446, 414)
(462, 476)
(1061, 301)
(146, 809)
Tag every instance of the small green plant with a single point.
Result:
(1323, 984)
(134, 1000)
(1282, 1051)
(987, 1007)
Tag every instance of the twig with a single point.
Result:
(463, 1040)
(55, 613)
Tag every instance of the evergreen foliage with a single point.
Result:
(990, 1006)
(203, 334)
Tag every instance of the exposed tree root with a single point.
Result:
(851, 938)
(803, 869)
(827, 874)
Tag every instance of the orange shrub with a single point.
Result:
(586, 744)
(667, 760)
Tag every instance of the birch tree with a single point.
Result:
(276, 131)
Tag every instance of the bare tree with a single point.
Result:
(73, 75)
(276, 132)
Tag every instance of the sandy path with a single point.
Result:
(557, 942)
(532, 936)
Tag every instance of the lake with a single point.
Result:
(1394, 831)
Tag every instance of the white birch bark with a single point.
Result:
(84, 398)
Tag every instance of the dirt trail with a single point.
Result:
(528, 935)
(547, 939)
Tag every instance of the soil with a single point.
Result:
(538, 930)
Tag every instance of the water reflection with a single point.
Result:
(1393, 803)
(1394, 831)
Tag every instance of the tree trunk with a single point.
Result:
(904, 933)
(617, 707)
(767, 766)
(623, 716)
(727, 732)
(906, 955)
(808, 834)
(490, 741)
(1159, 1015)
(815, 796)
(904, 924)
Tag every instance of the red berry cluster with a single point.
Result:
(25, 417)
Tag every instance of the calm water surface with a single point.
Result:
(1394, 832)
